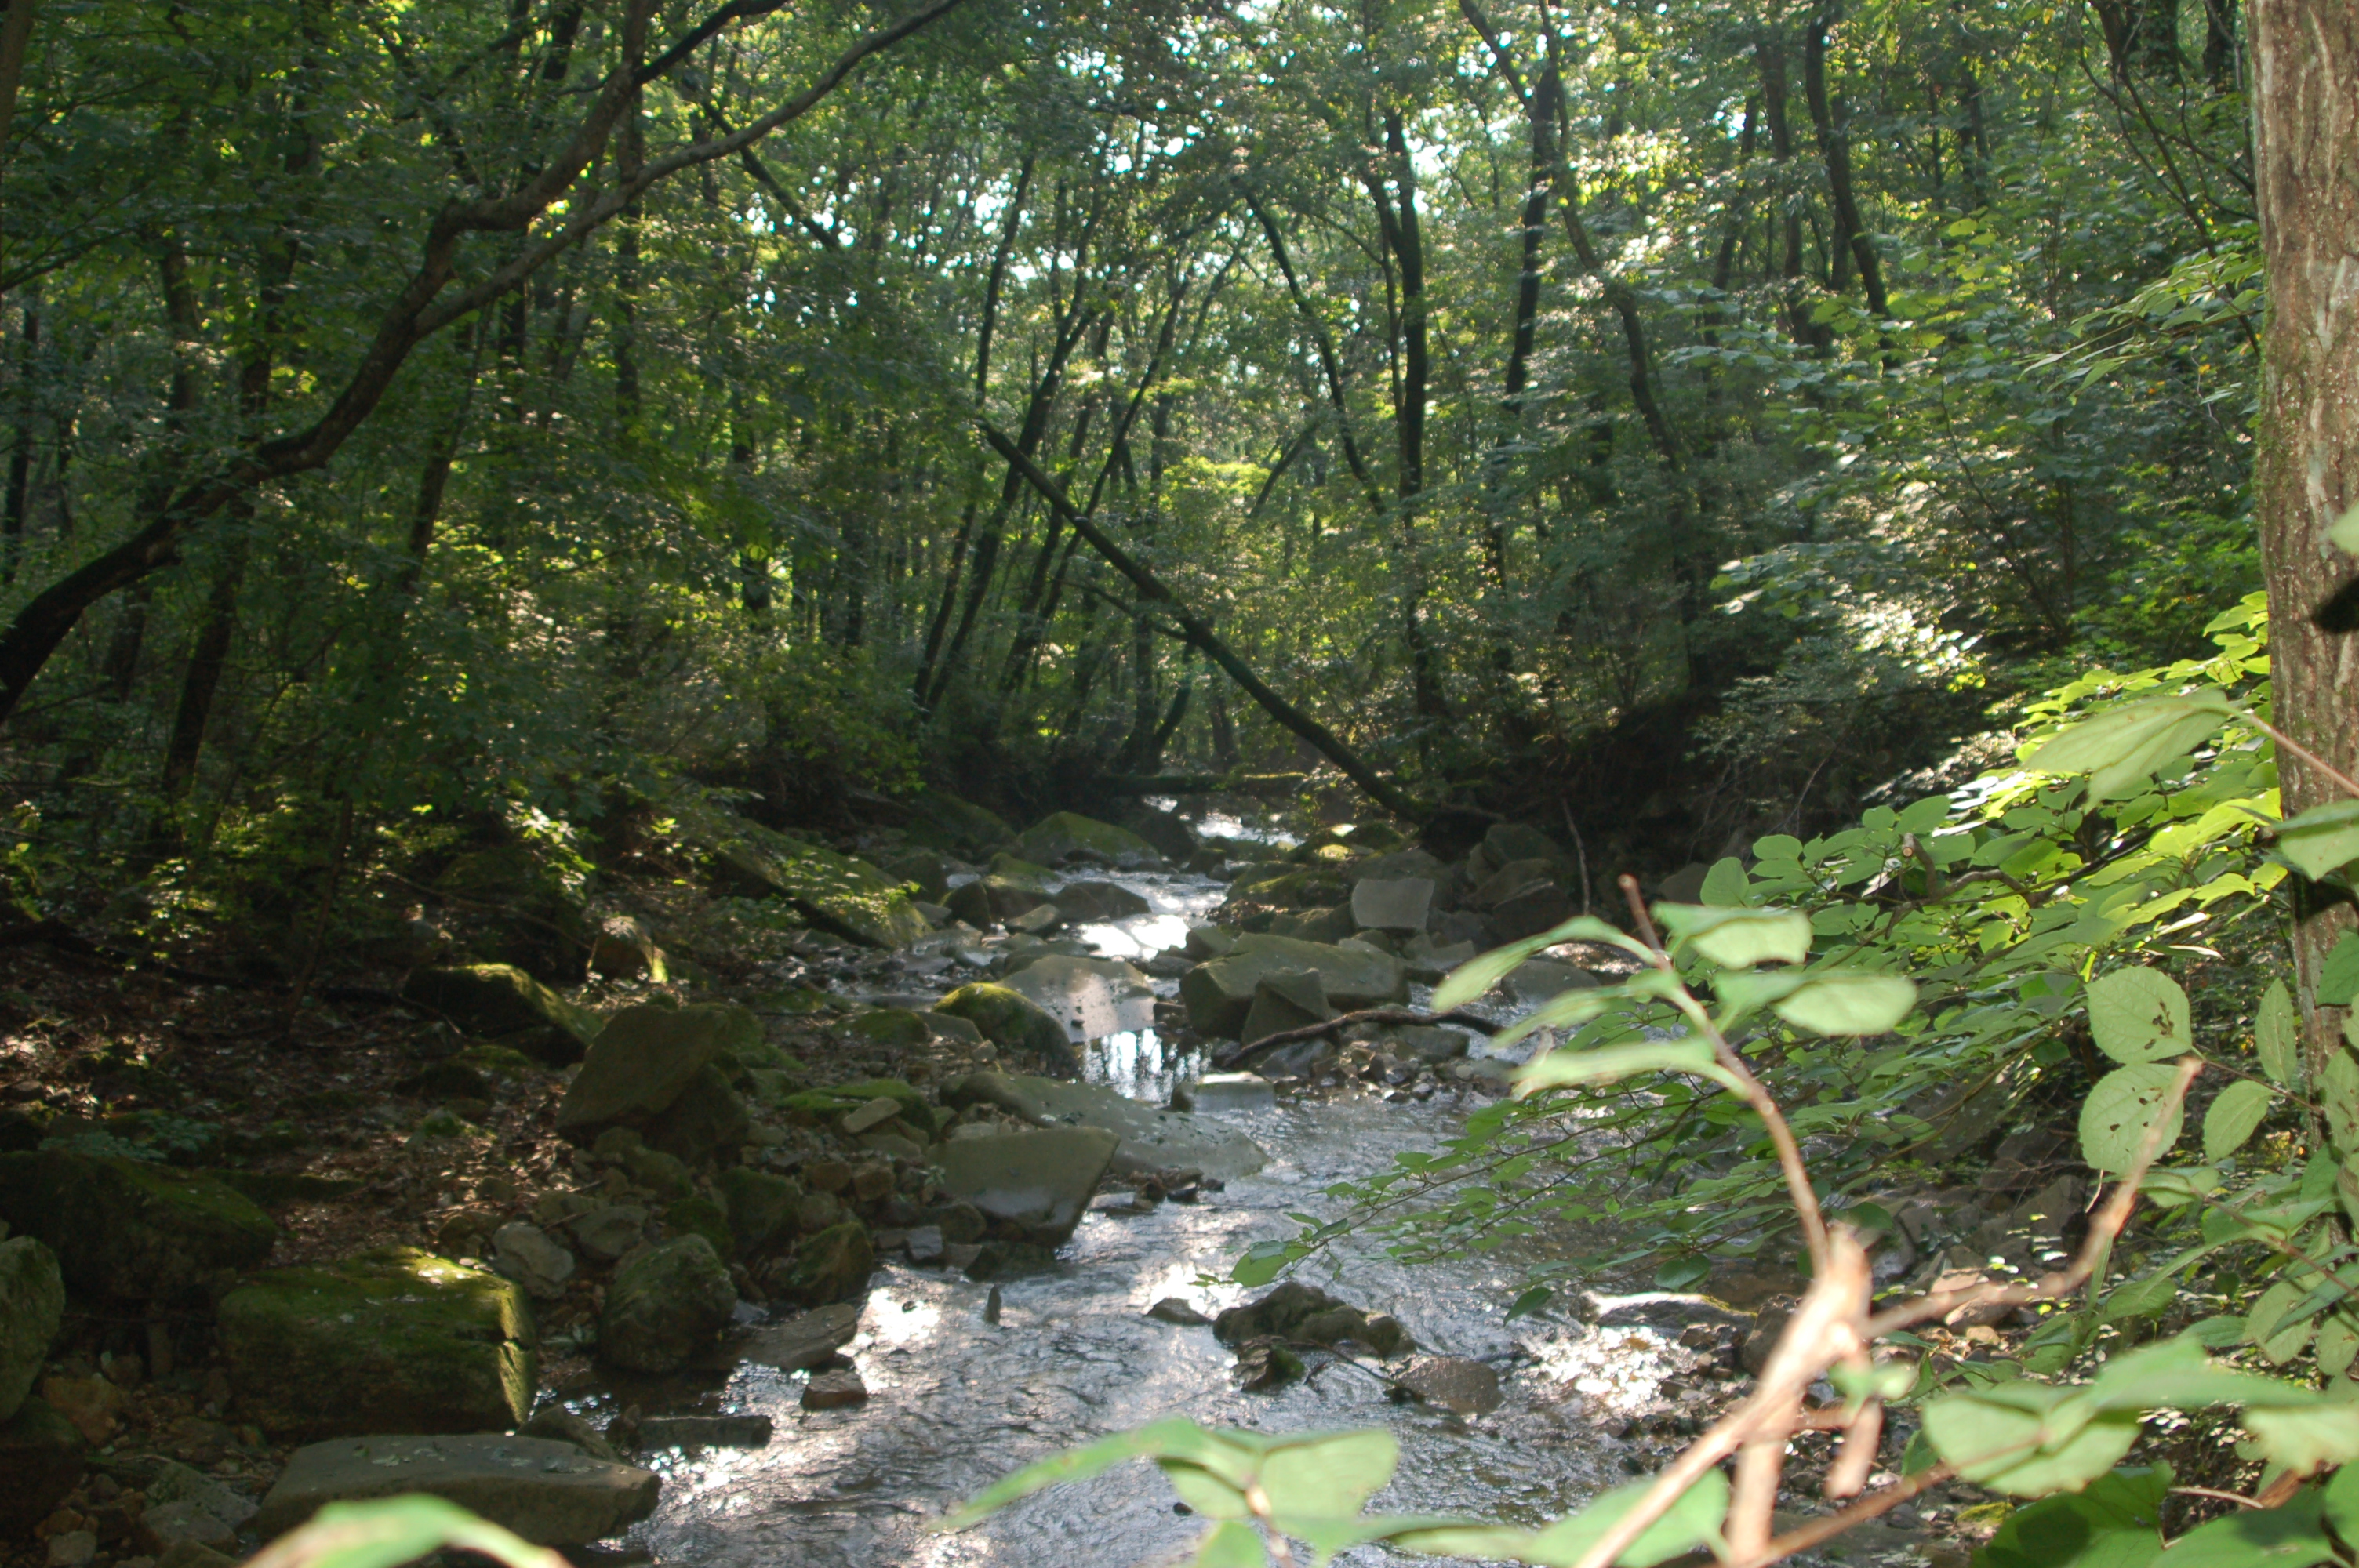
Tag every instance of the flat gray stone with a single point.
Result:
(1152, 1139)
(527, 1254)
(1216, 1092)
(1537, 980)
(1429, 1043)
(550, 1492)
(1402, 904)
(1036, 1183)
(1085, 901)
(1428, 961)
(1091, 997)
(804, 1341)
(605, 1234)
(1220, 993)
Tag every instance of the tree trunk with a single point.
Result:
(1851, 242)
(2305, 87)
(20, 456)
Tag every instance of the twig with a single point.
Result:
(1828, 1526)
(2238, 1498)
(1747, 1088)
(2350, 785)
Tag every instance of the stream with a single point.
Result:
(956, 1402)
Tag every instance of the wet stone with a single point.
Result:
(705, 1432)
(550, 1492)
(806, 1341)
(1175, 1310)
(1467, 1388)
(835, 1391)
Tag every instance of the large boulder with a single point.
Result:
(1079, 901)
(396, 1340)
(32, 1304)
(644, 1060)
(129, 1229)
(1169, 832)
(664, 1305)
(41, 1457)
(545, 930)
(1219, 994)
(1091, 998)
(550, 1492)
(847, 897)
(1068, 835)
(708, 1122)
(1034, 1187)
(1393, 903)
(987, 901)
(1299, 1311)
(761, 1206)
(1284, 999)
(1009, 1020)
(942, 821)
(1150, 1137)
(504, 1004)
(1507, 842)
(830, 1265)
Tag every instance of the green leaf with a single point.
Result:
(1262, 1262)
(2138, 1015)
(1173, 1438)
(2338, 1344)
(2276, 1037)
(1230, 1545)
(2340, 1496)
(2345, 531)
(2280, 1345)
(2116, 1521)
(1333, 1473)
(2304, 1441)
(397, 1530)
(1682, 1272)
(2027, 1439)
(2119, 1110)
(2139, 1298)
(2321, 840)
(1691, 1523)
(2293, 1536)
(1529, 1302)
(1561, 1067)
(1849, 1004)
(1736, 938)
(1203, 1491)
(1565, 1009)
(2120, 748)
(2177, 1374)
(1480, 973)
(1725, 883)
(2338, 978)
(2233, 1117)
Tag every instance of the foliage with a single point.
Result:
(396, 1531)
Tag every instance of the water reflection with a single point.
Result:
(1140, 1065)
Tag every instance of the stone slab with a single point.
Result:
(1403, 903)
(1038, 1183)
(1152, 1139)
(803, 1342)
(550, 1492)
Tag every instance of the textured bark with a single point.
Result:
(2305, 87)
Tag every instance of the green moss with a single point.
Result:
(890, 1026)
(700, 1215)
(396, 1340)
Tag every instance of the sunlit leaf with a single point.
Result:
(2277, 1036)
(1739, 938)
(1725, 884)
(1691, 1523)
(1336, 1473)
(1558, 1068)
(1529, 1302)
(2120, 748)
(1480, 973)
(2138, 1015)
(2233, 1117)
(1848, 1004)
(2027, 1439)
(1176, 1439)
(397, 1530)
(2345, 531)
(2304, 1440)
(1230, 1545)
(2116, 1521)
(2262, 1325)
(2119, 1110)
(2338, 978)
(2292, 1535)
(2321, 840)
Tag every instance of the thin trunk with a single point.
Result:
(1328, 364)
(200, 679)
(1405, 241)
(20, 455)
(2305, 84)
(15, 32)
(1805, 332)
(1199, 632)
(1851, 242)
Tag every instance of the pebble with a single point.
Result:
(1173, 1309)
(72, 1549)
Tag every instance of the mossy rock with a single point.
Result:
(1009, 1019)
(32, 1306)
(846, 897)
(700, 1215)
(833, 1265)
(499, 1062)
(775, 1086)
(129, 1229)
(275, 1189)
(826, 1104)
(794, 1002)
(660, 1172)
(547, 932)
(752, 1053)
(396, 1340)
(888, 1026)
(1068, 834)
(1009, 868)
(1298, 889)
(503, 1003)
(761, 1206)
(942, 821)
(665, 1304)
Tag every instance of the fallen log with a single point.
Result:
(1365, 1015)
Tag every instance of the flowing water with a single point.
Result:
(957, 1402)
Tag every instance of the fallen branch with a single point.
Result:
(1367, 1015)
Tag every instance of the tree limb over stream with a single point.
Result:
(1200, 633)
